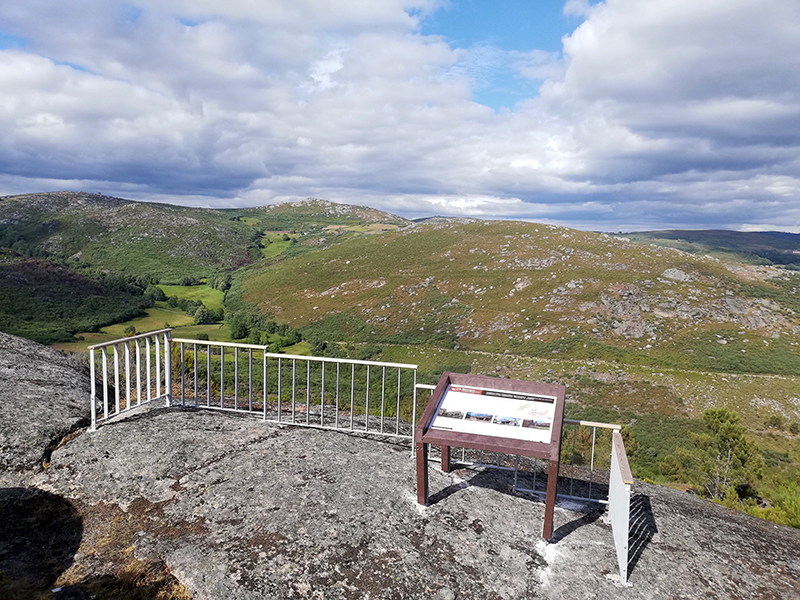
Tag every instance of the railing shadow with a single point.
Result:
(641, 529)
(503, 482)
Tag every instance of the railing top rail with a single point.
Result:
(129, 339)
(622, 457)
(348, 361)
(425, 386)
(613, 426)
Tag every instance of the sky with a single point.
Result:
(615, 115)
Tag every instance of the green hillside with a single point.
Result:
(539, 291)
(47, 303)
(169, 243)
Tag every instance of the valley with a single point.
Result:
(646, 335)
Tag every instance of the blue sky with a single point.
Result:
(618, 115)
(503, 26)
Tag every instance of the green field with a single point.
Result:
(156, 318)
(274, 244)
(211, 298)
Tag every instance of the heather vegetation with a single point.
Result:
(645, 335)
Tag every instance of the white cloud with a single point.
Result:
(657, 113)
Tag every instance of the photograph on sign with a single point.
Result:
(496, 413)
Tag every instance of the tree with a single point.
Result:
(723, 459)
(202, 316)
(156, 293)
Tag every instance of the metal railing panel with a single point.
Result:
(619, 502)
(124, 376)
(299, 390)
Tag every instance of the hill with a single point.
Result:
(539, 291)
(48, 303)
(758, 247)
(138, 238)
(169, 243)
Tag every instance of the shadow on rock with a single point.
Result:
(39, 535)
(567, 528)
(641, 528)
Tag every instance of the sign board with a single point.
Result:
(498, 415)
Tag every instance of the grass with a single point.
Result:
(155, 318)
(211, 298)
(274, 244)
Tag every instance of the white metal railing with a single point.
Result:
(141, 373)
(619, 502)
(329, 393)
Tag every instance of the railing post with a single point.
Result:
(168, 367)
(93, 375)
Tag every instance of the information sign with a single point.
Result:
(499, 415)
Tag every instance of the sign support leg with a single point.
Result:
(422, 473)
(446, 459)
(550, 500)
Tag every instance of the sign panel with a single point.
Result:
(496, 413)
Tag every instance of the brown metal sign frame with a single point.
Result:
(425, 435)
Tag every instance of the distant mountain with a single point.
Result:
(758, 247)
(165, 241)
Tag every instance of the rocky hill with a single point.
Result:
(204, 505)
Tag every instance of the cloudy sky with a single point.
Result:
(617, 116)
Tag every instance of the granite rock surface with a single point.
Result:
(43, 397)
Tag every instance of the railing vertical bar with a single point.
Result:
(352, 392)
(591, 466)
(264, 387)
(208, 375)
(222, 376)
(236, 378)
(280, 395)
(322, 398)
(183, 377)
(149, 383)
(105, 383)
(196, 371)
(158, 366)
(397, 410)
(93, 375)
(138, 373)
(336, 415)
(308, 392)
(294, 387)
(127, 375)
(572, 467)
(250, 377)
(414, 411)
(116, 378)
(366, 411)
(516, 473)
(383, 395)
(167, 369)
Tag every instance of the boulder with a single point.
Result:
(43, 397)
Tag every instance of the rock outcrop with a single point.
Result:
(43, 397)
(244, 510)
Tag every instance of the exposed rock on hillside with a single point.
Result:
(43, 396)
